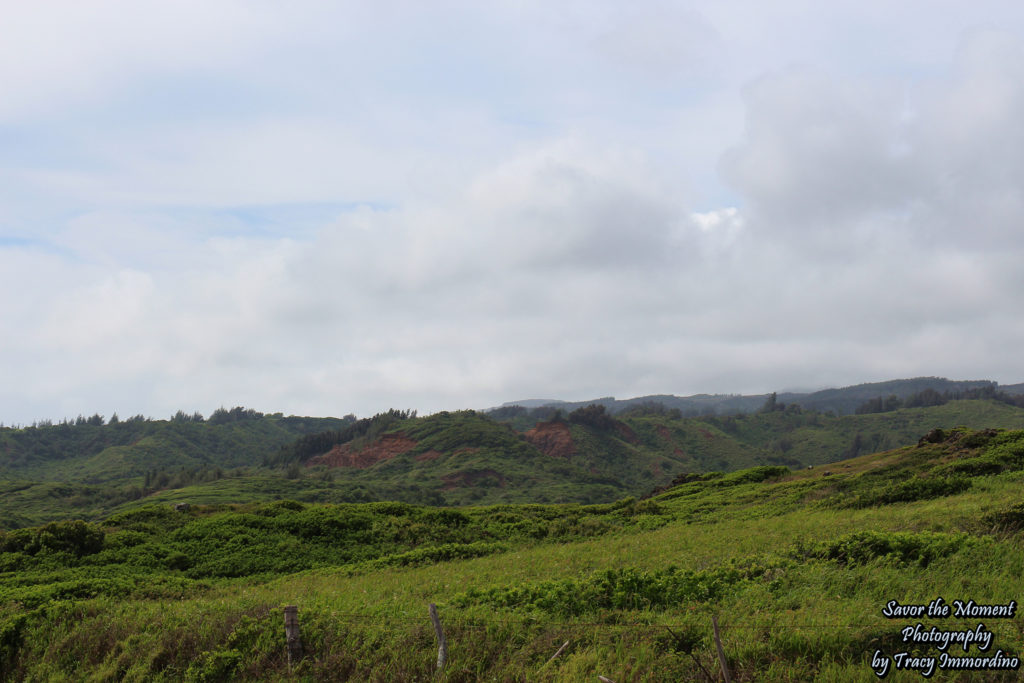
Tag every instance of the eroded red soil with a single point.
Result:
(552, 438)
(470, 478)
(626, 432)
(428, 455)
(664, 433)
(384, 448)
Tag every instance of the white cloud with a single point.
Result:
(68, 54)
(524, 204)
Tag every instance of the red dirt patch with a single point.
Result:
(384, 448)
(626, 432)
(552, 438)
(664, 433)
(706, 434)
(470, 478)
(428, 455)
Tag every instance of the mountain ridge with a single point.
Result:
(841, 400)
(460, 458)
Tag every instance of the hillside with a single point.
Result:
(796, 566)
(85, 468)
(459, 458)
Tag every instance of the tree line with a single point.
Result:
(931, 397)
(312, 445)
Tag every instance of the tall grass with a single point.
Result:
(797, 580)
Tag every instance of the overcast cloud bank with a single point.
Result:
(324, 211)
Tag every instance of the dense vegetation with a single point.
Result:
(90, 468)
(931, 397)
(796, 566)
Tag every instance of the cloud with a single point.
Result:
(968, 134)
(663, 42)
(819, 156)
(346, 238)
(838, 162)
(69, 55)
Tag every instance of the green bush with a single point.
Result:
(1007, 449)
(753, 475)
(11, 635)
(74, 537)
(1009, 520)
(864, 547)
(619, 589)
(219, 665)
(970, 467)
(177, 561)
(915, 488)
(436, 554)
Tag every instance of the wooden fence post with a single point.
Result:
(560, 651)
(442, 644)
(721, 652)
(291, 630)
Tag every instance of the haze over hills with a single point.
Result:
(842, 401)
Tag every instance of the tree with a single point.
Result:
(855, 447)
(236, 414)
(595, 415)
(926, 398)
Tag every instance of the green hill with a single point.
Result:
(89, 471)
(795, 566)
(87, 468)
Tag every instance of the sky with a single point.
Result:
(323, 208)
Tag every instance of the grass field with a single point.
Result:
(796, 566)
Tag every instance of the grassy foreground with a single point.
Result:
(796, 566)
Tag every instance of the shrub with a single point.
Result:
(1007, 449)
(436, 554)
(753, 475)
(178, 560)
(219, 665)
(1008, 520)
(916, 488)
(623, 589)
(74, 537)
(11, 636)
(971, 467)
(863, 547)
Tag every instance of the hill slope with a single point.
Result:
(458, 458)
(796, 567)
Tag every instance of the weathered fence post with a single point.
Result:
(560, 651)
(291, 630)
(721, 652)
(442, 644)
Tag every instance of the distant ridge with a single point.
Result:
(842, 401)
(534, 403)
